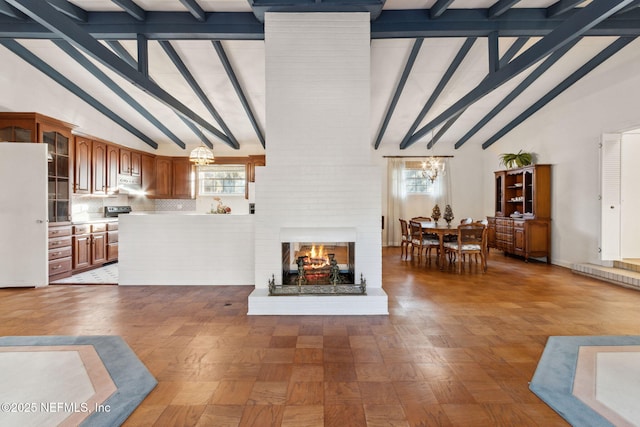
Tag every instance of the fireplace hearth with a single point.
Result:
(318, 269)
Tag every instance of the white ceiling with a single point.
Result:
(388, 58)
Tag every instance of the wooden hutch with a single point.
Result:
(522, 221)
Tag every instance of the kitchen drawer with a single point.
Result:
(112, 237)
(112, 226)
(59, 232)
(82, 229)
(98, 228)
(59, 266)
(60, 253)
(59, 242)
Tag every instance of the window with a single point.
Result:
(221, 179)
(415, 183)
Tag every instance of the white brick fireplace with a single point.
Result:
(318, 184)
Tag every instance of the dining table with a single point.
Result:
(440, 229)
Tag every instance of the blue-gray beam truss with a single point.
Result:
(11, 11)
(260, 7)
(49, 71)
(573, 27)
(217, 45)
(517, 22)
(46, 15)
(132, 9)
(562, 6)
(438, 8)
(524, 84)
(500, 7)
(494, 53)
(194, 9)
(634, 5)
(71, 10)
(396, 96)
(462, 53)
(124, 54)
(186, 74)
(115, 88)
(143, 55)
(508, 56)
(601, 57)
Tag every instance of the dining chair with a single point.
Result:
(406, 239)
(472, 239)
(422, 242)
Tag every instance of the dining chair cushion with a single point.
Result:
(465, 247)
(426, 242)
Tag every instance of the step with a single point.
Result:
(625, 275)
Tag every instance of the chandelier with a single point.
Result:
(432, 167)
(201, 156)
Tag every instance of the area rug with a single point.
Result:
(591, 380)
(70, 381)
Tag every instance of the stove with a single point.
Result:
(114, 211)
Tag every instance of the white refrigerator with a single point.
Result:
(23, 215)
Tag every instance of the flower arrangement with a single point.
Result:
(448, 214)
(435, 213)
(221, 208)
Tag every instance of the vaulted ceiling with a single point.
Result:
(178, 73)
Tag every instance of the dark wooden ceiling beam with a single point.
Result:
(46, 15)
(50, 72)
(570, 29)
(517, 22)
(501, 7)
(605, 54)
(132, 9)
(417, 44)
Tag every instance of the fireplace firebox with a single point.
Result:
(318, 268)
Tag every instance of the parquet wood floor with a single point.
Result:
(456, 349)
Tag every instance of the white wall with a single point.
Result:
(566, 133)
(630, 196)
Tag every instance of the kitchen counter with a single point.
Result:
(93, 220)
(192, 249)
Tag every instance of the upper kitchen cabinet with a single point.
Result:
(173, 178)
(82, 169)
(182, 178)
(148, 175)
(98, 167)
(38, 128)
(130, 162)
(112, 168)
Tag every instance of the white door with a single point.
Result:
(610, 197)
(23, 215)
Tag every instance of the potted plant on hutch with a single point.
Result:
(519, 159)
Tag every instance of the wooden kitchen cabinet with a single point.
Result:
(60, 251)
(130, 162)
(38, 128)
(182, 179)
(89, 246)
(164, 178)
(82, 169)
(148, 175)
(112, 241)
(98, 168)
(136, 163)
(112, 168)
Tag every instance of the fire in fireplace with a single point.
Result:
(324, 263)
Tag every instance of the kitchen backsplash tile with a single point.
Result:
(86, 208)
(175, 205)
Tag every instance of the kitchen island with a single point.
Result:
(186, 249)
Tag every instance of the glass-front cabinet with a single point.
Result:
(58, 176)
(38, 128)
